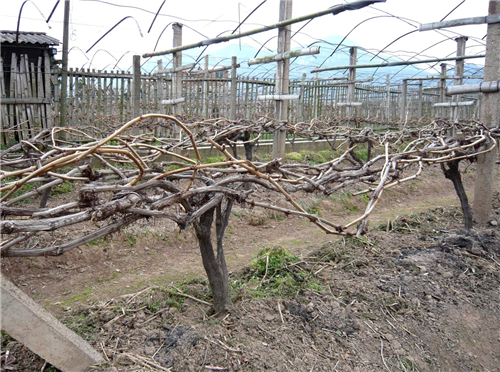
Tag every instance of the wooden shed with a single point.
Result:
(25, 86)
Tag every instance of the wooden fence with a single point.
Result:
(96, 98)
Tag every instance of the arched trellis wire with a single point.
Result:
(119, 59)
(345, 37)
(19, 17)
(75, 47)
(112, 28)
(433, 66)
(101, 50)
(156, 15)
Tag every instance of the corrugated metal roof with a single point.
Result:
(9, 37)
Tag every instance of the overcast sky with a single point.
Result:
(91, 19)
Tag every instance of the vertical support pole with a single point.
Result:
(353, 58)
(136, 86)
(234, 92)
(404, 91)
(205, 89)
(282, 78)
(64, 77)
(490, 112)
(315, 100)
(300, 108)
(388, 99)
(457, 78)
(160, 88)
(420, 98)
(177, 76)
(442, 90)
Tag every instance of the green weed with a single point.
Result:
(131, 238)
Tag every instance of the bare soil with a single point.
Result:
(418, 293)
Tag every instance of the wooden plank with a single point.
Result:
(4, 111)
(47, 91)
(40, 94)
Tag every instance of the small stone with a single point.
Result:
(149, 350)
(270, 317)
(494, 223)
(106, 315)
(399, 352)
(447, 274)
(122, 360)
(415, 301)
(396, 344)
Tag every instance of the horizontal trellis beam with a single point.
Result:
(495, 18)
(284, 55)
(398, 63)
(351, 82)
(485, 87)
(173, 101)
(278, 97)
(349, 103)
(439, 77)
(215, 69)
(189, 66)
(454, 104)
(334, 10)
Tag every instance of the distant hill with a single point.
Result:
(304, 64)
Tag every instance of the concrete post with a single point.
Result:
(42, 333)
(490, 116)
(404, 91)
(300, 107)
(351, 88)
(282, 78)
(205, 89)
(177, 76)
(459, 72)
(136, 86)
(420, 98)
(388, 99)
(442, 90)
(234, 88)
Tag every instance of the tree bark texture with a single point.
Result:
(453, 174)
(215, 262)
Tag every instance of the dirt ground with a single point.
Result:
(418, 293)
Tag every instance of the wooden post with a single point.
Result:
(351, 88)
(234, 92)
(388, 99)
(205, 89)
(177, 76)
(442, 90)
(459, 71)
(404, 91)
(64, 77)
(282, 78)
(136, 86)
(490, 112)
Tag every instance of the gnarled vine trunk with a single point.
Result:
(214, 262)
(453, 174)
